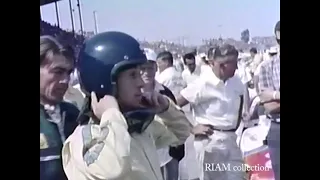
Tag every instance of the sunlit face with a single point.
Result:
(148, 71)
(54, 78)
(191, 64)
(162, 64)
(226, 65)
(129, 86)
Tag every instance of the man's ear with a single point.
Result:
(211, 62)
(156, 65)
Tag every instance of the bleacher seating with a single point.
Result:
(62, 35)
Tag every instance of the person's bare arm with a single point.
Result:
(269, 95)
(256, 83)
(190, 94)
(246, 98)
(181, 101)
(272, 107)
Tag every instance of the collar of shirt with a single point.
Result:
(195, 72)
(165, 74)
(212, 78)
(54, 112)
(51, 108)
(167, 70)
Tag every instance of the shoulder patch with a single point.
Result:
(92, 145)
(43, 141)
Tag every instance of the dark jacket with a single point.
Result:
(51, 142)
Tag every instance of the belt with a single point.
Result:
(228, 130)
(201, 136)
(225, 130)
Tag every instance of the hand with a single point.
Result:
(156, 100)
(266, 96)
(272, 107)
(202, 129)
(107, 102)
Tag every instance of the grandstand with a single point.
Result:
(44, 2)
(66, 37)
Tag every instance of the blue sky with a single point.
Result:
(171, 19)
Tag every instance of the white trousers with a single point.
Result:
(220, 157)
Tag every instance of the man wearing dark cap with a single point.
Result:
(269, 87)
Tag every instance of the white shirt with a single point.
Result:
(199, 61)
(257, 71)
(172, 79)
(189, 77)
(244, 73)
(205, 68)
(215, 102)
(178, 64)
(255, 62)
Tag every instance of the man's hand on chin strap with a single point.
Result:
(156, 101)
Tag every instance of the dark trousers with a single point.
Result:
(170, 171)
(273, 140)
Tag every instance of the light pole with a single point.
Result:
(95, 19)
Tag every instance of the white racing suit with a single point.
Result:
(108, 152)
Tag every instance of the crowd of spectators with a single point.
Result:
(75, 40)
(66, 37)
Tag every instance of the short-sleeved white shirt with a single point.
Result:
(215, 102)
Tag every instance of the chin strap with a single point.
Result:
(85, 112)
(139, 120)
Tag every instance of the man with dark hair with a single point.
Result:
(167, 74)
(164, 60)
(269, 87)
(253, 52)
(217, 99)
(192, 72)
(57, 117)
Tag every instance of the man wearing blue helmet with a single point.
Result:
(121, 127)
